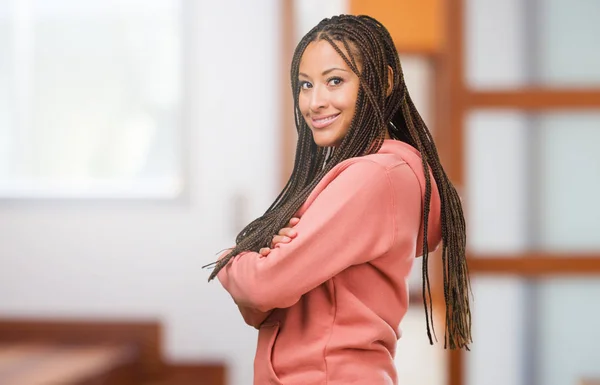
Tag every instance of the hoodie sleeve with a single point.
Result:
(252, 317)
(350, 222)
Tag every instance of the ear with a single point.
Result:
(390, 81)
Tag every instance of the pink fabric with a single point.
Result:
(328, 305)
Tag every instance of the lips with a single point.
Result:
(323, 121)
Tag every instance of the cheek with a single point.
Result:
(346, 101)
(303, 103)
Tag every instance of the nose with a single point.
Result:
(318, 98)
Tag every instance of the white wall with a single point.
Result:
(308, 13)
(142, 259)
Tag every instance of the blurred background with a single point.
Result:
(138, 137)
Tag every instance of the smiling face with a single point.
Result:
(328, 93)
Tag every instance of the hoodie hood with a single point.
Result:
(413, 158)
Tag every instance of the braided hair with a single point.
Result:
(370, 46)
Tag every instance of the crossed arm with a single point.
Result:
(350, 222)
(255, 317)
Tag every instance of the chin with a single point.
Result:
(326, 143)
(323, 140)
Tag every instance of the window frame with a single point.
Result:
(461, 100)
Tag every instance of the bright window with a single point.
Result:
(90, 98)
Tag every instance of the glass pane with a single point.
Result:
(517, 43)
(569, 187)
(494, 45)
(497, 352)
(534, 332)
(568, 334)
(532, 182)
(568, 43)
(418, 75)
(97, 97)
(496, 192)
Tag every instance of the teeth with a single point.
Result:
(326, 119)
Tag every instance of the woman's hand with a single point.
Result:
(285, 236)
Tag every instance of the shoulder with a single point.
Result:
(373, 163)
(384, 160)
(373, 168)
(369, 178)
(379, 173)
(382, 174)
(358, 170)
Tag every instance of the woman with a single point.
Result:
(366, 196)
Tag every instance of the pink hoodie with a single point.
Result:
(328, 304)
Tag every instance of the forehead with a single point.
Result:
(320, 55)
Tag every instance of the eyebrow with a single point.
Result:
(324, 72)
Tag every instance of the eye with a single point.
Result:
(335, 81)
(304, 85)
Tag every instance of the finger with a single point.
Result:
(265, 251)
(287, 232)
(294, 221)
(279, 239)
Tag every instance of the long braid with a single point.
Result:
(367, 48)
